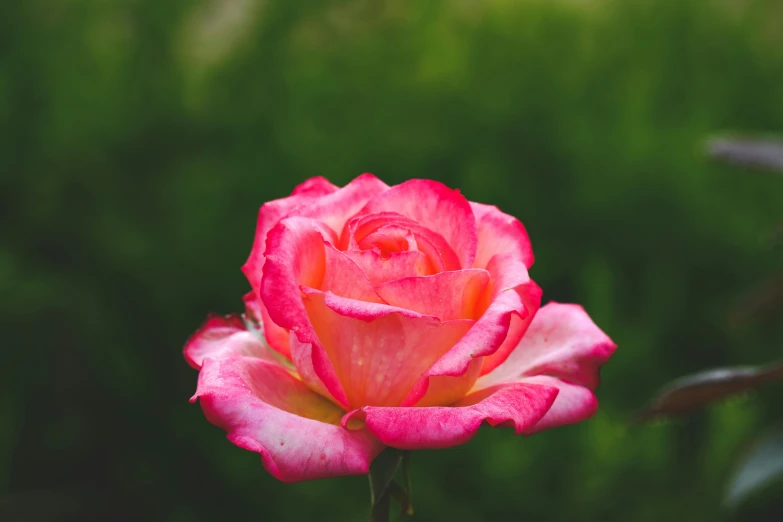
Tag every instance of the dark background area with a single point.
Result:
(139, 138)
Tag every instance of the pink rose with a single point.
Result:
(400, 316)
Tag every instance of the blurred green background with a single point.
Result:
(140, 137)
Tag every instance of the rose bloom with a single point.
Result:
(396, 316)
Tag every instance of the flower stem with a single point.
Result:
(383, 485)
(380, 508)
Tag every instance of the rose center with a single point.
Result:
(388, 239)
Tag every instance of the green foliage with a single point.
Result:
(139, 139)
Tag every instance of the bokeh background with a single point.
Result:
(139, 138)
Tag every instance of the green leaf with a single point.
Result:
(762, 467)
(694, 391)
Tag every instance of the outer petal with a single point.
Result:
(272, 212)
(253, 306)
(304, 194)
(267, 410)
(436, 207)
(518, 405)
(337, 208)
(296, 256)
(573, 404)
(378, 350)
(499, 233)
(509, 283)
(223, 337)
(447, 295)
(562, 348)
(563, 342)
(276, 337)
(317, 186)
(530, 294)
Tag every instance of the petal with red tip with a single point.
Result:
(518, 405)
(499, 233)
(221, 338)
(270, 215)
(332, 207)
(562, 348)
(563, 342)
(573, 404)
(267, 410)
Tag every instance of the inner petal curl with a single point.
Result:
(388, 235)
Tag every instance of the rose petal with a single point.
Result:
(276, 337)
(573, 404)
(518, 405)
(304, 194)
(530, 294)
(332, 208)
(378, 351)
(389, 238)
(499, 233)
(345, 278)
(316, 186)
(510, 283)
(223, 337)
(337, 208)
(296, 257)
(445, 389)
(272, 212)
(267, 410)
(441, 257)
(385, 243)
(397, 265)
(253, 306)
(361, 229)
(562, 348)
(436, 207)
(447, 295)
(563, 342)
